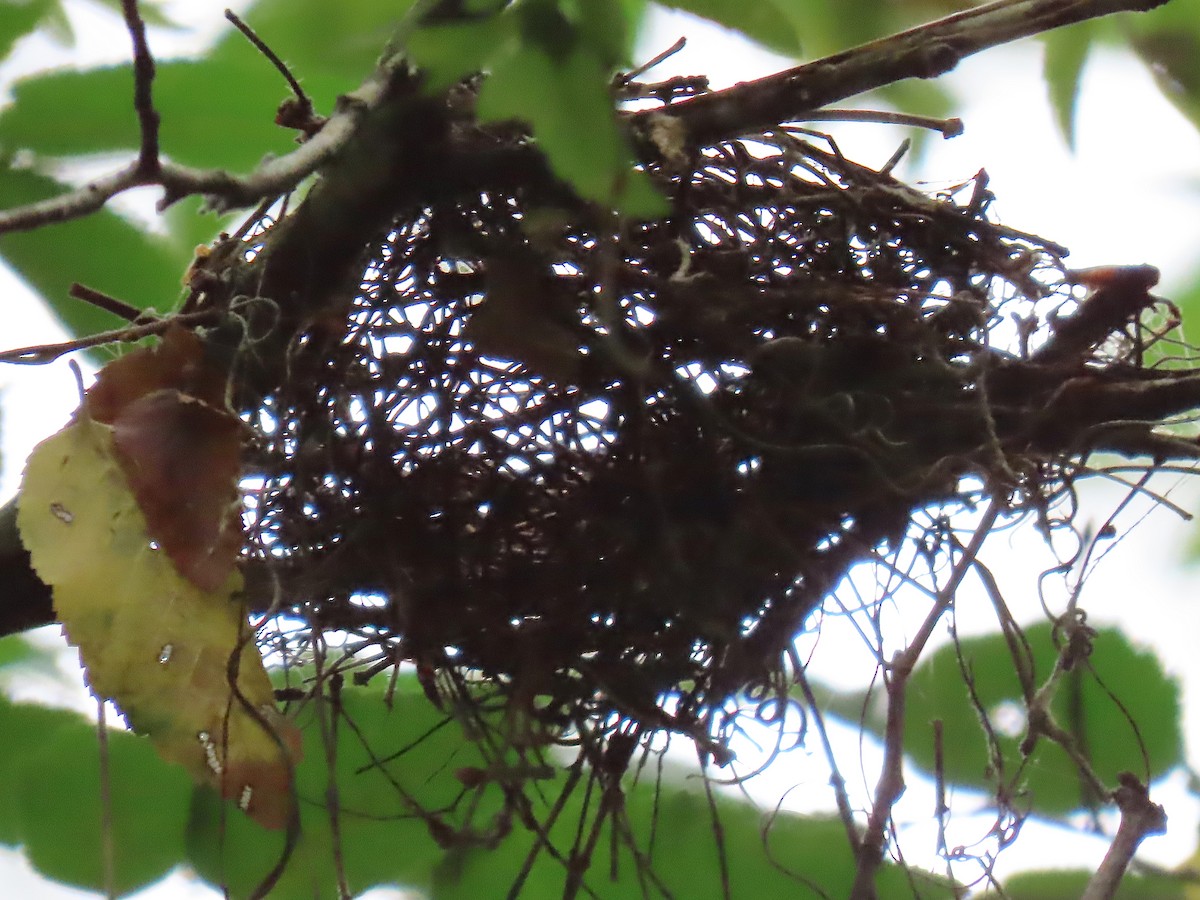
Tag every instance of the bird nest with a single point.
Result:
(610, 468)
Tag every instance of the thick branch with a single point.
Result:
(924, 52)
(1140, 818)
(24, 599)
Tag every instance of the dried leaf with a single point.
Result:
(182, 457)
(178, 362)
(179, 448)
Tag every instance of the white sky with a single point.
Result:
(1130, 194)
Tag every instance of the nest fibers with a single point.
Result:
(606, 470)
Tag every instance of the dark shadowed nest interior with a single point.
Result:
(604, 471)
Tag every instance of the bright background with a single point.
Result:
(1129, 194)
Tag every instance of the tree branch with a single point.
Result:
(24, 599)
(1140, 818)
(143, 96)
(223, 190)
(924, 52)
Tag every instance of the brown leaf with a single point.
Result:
(182, 458)
(178, 362)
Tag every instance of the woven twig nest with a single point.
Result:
(610, 468)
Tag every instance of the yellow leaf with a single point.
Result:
(152, 641)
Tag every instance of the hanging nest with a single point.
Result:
(604, 470)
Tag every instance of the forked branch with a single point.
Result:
(891, 779)
(1140, 818)
(924, 52)
(273, 177)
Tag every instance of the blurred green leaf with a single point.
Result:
(780, 856)
(20, 658)
(26, 728)
(103, 251)
(189, 224)
(1168, 41)
(1188, 301)
(381, 792)
(776, 24)
(550, 66)
(1066, 51)
(61, 819)
(391, 767)
(376, 792)
(15, 649)
(18, 19)
(569, 109)
(1069, 885)
(609, 27)
(215, 112)
(150, 11)
(1081, 706)
(450, 52)
(330, 48)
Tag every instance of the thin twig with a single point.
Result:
(108, 850)
(718, 830)
(940, 808)
(948, 128)
(656, 60)
(271, 55)
(836, 781)
(109, 304)
(143, 98)
(292, 835)
(40, 354)
(329, 741)
(891, 779)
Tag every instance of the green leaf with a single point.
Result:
(569, 109)
(776, 24)
(190, 224)
(375, 817)
(1069, 885)
(20, 657)
(1062, 67)
(1081, 706)
(388, 766)
(27, 729)
(450, 52)
(58, 795)
(216, 112)
(324, 46)
(609, 27)
(768, 856)
(1188, 301)
(1168, 41)
(18, 19)
(15, 649)
(148, 9)
(103, 251)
